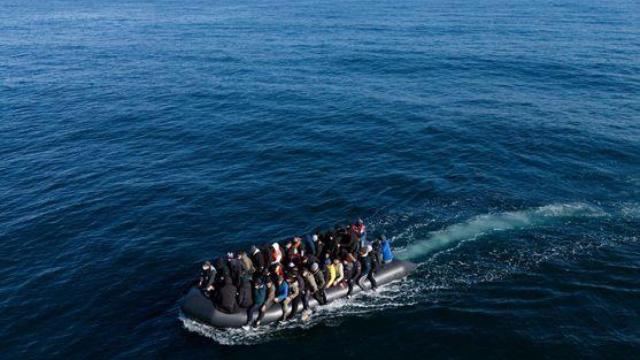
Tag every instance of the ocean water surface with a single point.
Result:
(496, 142)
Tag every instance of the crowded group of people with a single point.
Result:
(289, 275)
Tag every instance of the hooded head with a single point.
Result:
(219, 263)
(206, 265)
(276, 246)
(360, 222)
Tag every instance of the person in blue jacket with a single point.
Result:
(282, 293)
(387, 254)
(310, 244)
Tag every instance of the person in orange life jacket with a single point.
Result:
(276, 253)
(294, 250)
(277, 270)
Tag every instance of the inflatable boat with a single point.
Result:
(198, 307)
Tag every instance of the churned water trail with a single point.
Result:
(483, 224)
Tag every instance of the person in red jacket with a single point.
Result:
(276, 254)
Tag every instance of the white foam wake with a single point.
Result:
(483, 224)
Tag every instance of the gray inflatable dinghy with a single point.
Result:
(198, 307)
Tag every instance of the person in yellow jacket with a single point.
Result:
(337, 264)
(331, 273)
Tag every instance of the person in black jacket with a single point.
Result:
(210, 293)
(226, 297)
(237, 269)
(365, 259)
(222, 272)
(206, 275)
(245, 297)
(355, 271)
(258, 260)
(376, 256)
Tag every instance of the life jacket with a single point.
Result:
(294, 253)
(276, 253)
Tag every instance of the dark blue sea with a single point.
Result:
(497, 143)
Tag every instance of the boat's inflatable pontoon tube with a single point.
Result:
(198, 307)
